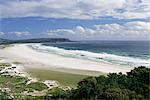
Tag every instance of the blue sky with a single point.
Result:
(75, 19)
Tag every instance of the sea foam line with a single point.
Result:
(105, 57)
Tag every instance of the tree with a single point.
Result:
(134, 85)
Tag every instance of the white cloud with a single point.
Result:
(79, 29)
(2, 33)
(136, 9)
(77, 32)
(129, 31)
(76, 9)
(23, 33)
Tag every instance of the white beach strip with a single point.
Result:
(24, 52)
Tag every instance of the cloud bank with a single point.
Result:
(76, 9)
(17, 33)
(129, 31)
(24, 33)
(2, 33)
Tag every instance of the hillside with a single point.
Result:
(37, 40)
(4, 41)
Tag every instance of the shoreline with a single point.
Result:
(21, 52)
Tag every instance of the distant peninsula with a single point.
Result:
(34, 40)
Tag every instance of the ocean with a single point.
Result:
(131, 53)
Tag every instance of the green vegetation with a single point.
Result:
(15, 84)
(34, 40)
(62, 77)
(5, 64)
(18, 85)
(37, 86)
(4, 95)
(133, 86)
(57, 93)
(16, 62)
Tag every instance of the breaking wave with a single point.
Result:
(98, 57)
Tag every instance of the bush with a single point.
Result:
(37, 86)
(134, 85)
(57, 93)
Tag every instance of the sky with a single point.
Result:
(75, 19)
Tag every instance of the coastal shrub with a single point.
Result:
(57, 93)
(5, 95)
(5, 64)
(135, 85)
(39, 86)
(16, 62)
(14, 83)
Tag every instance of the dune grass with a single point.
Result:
(5, 64)
(39, 86)
(63, 78)
(14, 83)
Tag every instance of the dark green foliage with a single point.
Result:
(140, 80)
(141, 74)
(36, 40)
(4, 95)
(86, 88)
(15, 84)
(57, 93)
(119, 94)
(133, 86)
(37, 86)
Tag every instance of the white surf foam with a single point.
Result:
(105, 57)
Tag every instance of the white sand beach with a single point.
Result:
(21, 52)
